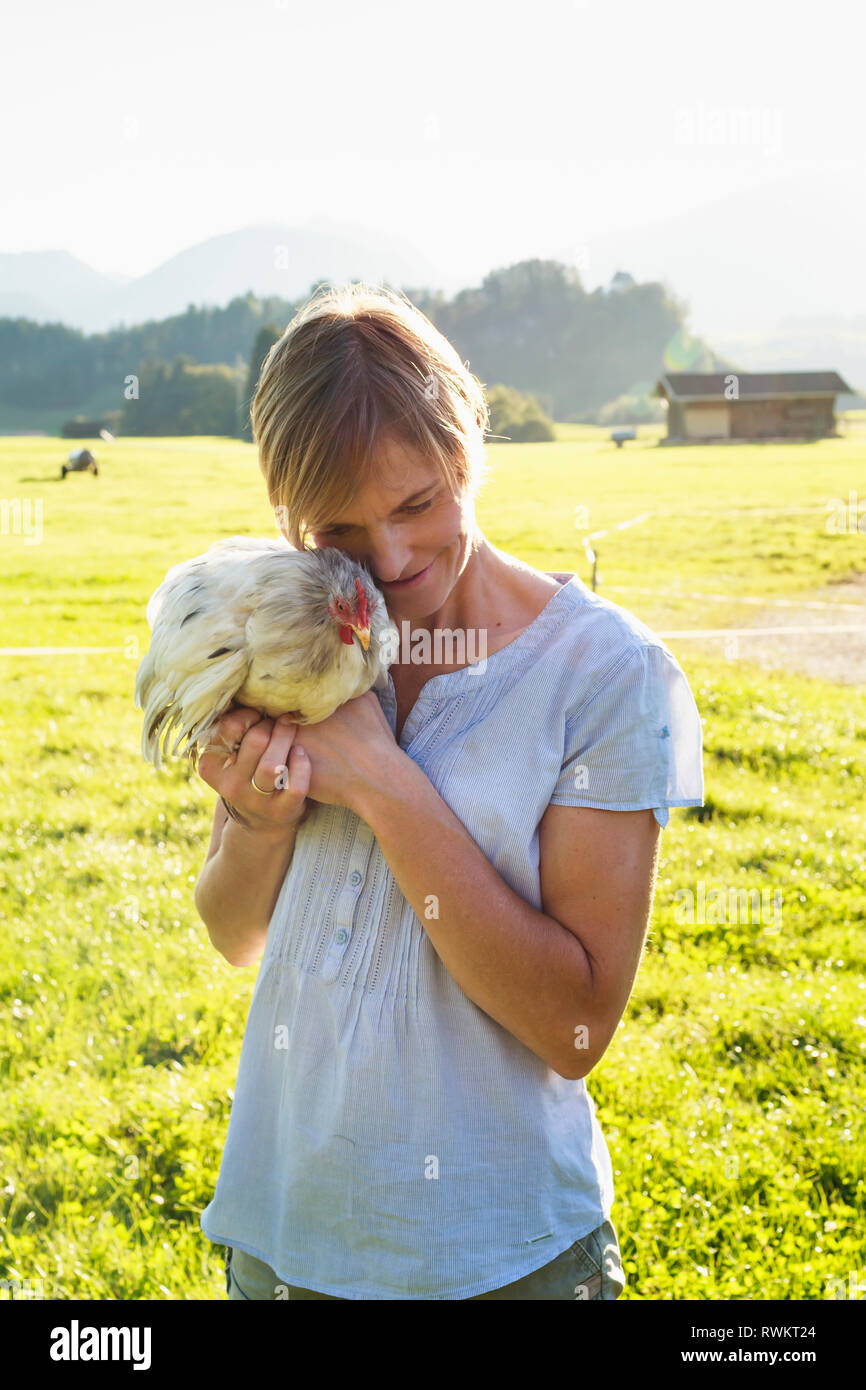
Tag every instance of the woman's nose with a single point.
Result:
(388, 565)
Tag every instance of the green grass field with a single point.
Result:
(732, 1093)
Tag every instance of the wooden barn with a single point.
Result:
(750, 405)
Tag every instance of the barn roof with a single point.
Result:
(699, 386)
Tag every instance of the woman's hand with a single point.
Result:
(267, 751)
(348, 751)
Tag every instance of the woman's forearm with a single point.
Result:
(521, 966)
(238, 888)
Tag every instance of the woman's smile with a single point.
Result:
(409, 583)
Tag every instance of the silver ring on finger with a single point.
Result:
(258, 789)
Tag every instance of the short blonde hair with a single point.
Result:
(356, 366)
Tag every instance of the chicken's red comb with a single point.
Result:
(361, 606)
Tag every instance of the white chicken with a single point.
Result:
(256, 622)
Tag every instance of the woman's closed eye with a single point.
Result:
(419, 507)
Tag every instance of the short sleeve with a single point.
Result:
(637, 743)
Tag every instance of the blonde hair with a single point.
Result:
(357, 365)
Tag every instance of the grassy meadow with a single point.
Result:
(732, 1093)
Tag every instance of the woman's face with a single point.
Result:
(404, 523)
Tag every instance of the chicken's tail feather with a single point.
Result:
(192, 708)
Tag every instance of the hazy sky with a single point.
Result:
(483, 132)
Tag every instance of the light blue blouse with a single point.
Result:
(388, 1139)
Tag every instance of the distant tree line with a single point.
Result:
(517, 417)
(184, 397)
(531, 329)
(535, 327)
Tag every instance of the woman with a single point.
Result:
(450, 878)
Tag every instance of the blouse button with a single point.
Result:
(354, 876)
(342, 935)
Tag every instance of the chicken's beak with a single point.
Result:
(363, 635)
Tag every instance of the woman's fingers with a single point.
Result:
(265, 750)
(289, 774)
(225, 736)
(233, 726)
(224, 740)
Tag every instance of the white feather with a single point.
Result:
(247, 623)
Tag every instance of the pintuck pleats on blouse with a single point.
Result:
(388, 1139)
